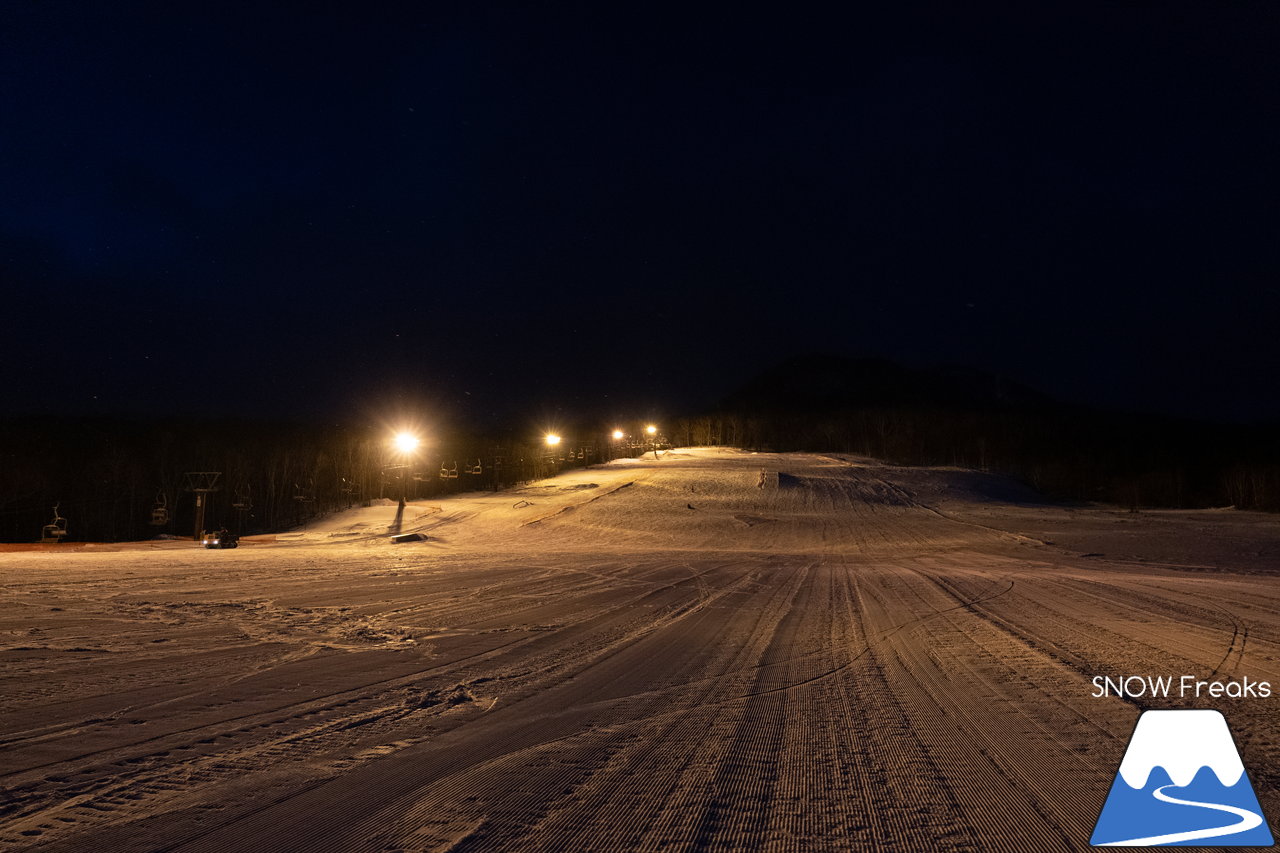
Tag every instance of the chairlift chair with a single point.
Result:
(476, 468)
(160, 512)
(244, 499)
(55, 530)
(449, 473)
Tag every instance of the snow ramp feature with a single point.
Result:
(845, 487)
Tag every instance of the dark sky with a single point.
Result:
(625, 209)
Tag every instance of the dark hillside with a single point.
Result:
(973, 419)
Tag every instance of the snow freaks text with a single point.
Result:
(1183, 687)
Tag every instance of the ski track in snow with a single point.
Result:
(714, 650)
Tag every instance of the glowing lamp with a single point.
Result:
(406, 442)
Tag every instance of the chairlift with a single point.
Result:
(449, 473)
(160, 512)
(55, 530)
(304, 494)
(476, 468)
(244, 499)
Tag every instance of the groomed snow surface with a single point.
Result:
(715, 650)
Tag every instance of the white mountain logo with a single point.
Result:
(1181, 783)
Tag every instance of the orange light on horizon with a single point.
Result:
(617, 434)
(552, 439)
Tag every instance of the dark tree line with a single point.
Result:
(1076, 454)
(968, 418)
(108, 477)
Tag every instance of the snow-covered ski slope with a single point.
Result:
(715, 650)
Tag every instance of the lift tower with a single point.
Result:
(202, 484)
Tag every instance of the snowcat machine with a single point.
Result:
(219, 539)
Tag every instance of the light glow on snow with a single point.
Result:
(617, 607)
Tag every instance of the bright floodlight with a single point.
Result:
(552, 439)
(617, 433)
(406, 442)
(651, 429)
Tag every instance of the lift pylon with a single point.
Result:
(202, 484)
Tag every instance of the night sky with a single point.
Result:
(626, 209)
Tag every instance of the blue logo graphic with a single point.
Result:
(1181, 783)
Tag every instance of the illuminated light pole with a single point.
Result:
(553, 441)
(617, 435)
(405, 443)
(653, 438)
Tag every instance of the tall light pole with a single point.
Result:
(653, 438)
(405, 443)
(617, 436)
(553, 441)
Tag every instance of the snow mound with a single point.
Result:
(847, 486)
(940, 485)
